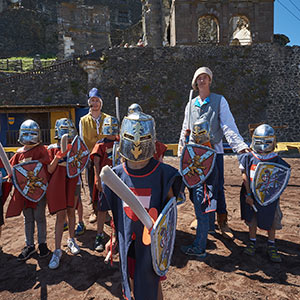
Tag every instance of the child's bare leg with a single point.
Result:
(252, 232)
(131, 282)
(271, 234)
(71, 218)
(59, 227)
(251, 247)
(73, 247)
(160, 295)
(80, 212)
(101, 216)
(71, 221)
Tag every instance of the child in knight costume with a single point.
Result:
(62, 192)
(266, 216)
(160, 148)
(30, 138)
(203, 195)
(101, 156)
(5, 188)
(153, 183)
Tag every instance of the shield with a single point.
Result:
(116, 158)
(269, 181)
(196, 164)
(163, 238)
(77, 157)
(30, 179)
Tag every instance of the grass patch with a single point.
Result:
(22, 64)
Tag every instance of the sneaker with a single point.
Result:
(54, 262)
(44, 251)
(193, 250)
(26, 252)
(74, 248)
(273, 254)
(250, 249)
(99, 242)
(66, 226)
(93, 218)
(80, 228)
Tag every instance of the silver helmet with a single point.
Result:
(110, 126)
(263, 139)
(64, 126)
(30, 133)
(134, 107)
(137, 137)
(200, 132)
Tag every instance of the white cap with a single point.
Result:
(202, 70)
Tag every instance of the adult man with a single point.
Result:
(90, 130)
(215, 109)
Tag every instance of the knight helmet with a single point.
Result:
(200, 132)
(110, 126)
(134, 107)
(29, 133)
(137, 137)
(64, 126)
(263, 139)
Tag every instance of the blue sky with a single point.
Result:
(285, 22)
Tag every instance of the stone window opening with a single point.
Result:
(123, 16)
(240, 33)
(95, 19)
(208, 30)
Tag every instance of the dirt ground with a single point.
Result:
(225, 274)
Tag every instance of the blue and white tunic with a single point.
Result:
(151, 185)
(265, 214)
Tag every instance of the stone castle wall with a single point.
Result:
(261, 84)
(65, 84)
(25, 32)
(37, 26)
(259, 13)
(82, 27)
